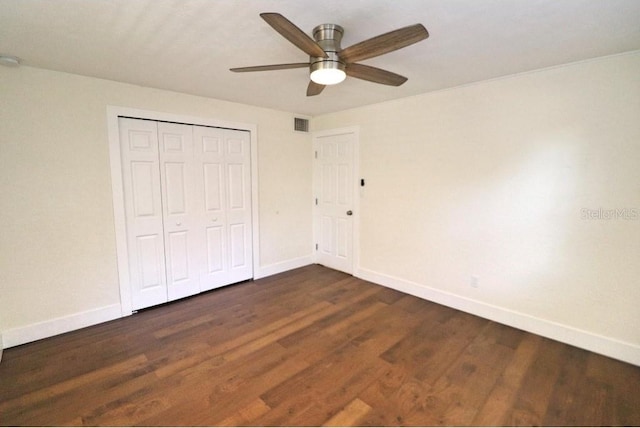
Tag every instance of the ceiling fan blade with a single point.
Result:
(314, 88)
(295, 35)
(373, 74)
(270, 67)
(384, 43)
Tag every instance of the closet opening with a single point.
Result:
(185, 214)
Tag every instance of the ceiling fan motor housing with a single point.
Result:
(328, 36)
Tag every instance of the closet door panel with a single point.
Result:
(143, 211)
(213, 221)
(237, 190)
(237, 233)
(215, 250)
(149, 253)
(142, 183)
(238, 161)
(178, 256)
(175, 176)
(213, 187)
(224, 163)
(211, 184)
(183, 244)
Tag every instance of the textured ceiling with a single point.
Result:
(189, 45)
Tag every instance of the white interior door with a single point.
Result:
(143, 211)
(182, 237)
(223, 164)
(334, 189)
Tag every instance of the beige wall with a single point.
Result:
(488, 180)
(491, 180)
(57, 251)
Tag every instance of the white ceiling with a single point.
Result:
(189, 45)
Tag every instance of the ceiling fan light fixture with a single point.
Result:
(328, 76)
(328, 71)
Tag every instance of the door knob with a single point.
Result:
(214, 219)
(178, 223)
(349, 212)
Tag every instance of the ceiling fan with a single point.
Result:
(329, 64)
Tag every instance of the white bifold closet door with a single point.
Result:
(188, 208)
(223, 162)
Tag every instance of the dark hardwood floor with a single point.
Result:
(311, 347)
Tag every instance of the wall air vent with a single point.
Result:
(300, 124)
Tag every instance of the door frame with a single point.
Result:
(358, 192)
(122, 251)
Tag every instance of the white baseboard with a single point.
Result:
(277, 268)
(623, 351)
(55, 326)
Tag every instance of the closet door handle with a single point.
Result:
(214, 219)
(178, 223)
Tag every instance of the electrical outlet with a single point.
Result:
(474, 281)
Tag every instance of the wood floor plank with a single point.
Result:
(352, 384)
(496, 407)
(392, 328)
(566, 392)
(346, 315)
(350, 415)
(622, 382)
(211, 378)
(325, 387)
(252, 340)
(94, 394)
(436, 345)
(383, 396)
(472, 377)
(47, 393)
(230, 389)
(534, 394)
(254, 410)
(311, 346)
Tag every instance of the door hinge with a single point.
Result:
(316, 154)
(316, 247)
(316, 201)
